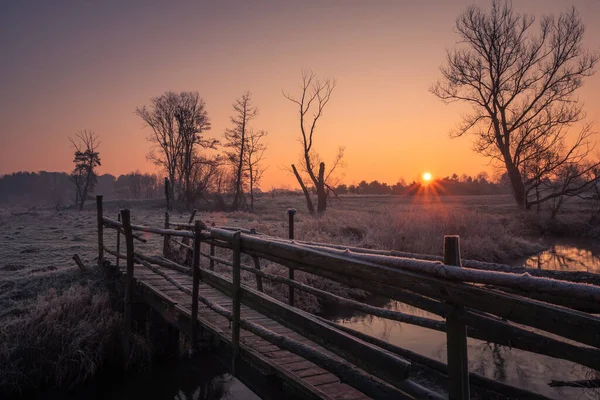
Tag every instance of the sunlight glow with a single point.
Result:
(426, 177)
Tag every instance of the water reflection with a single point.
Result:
(580, 255)
(515, 367)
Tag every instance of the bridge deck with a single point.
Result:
(313, 378)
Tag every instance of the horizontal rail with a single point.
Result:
(481, 327)
(160, 231)
(566, 294)
(521, 282)
(190, 226)
(570, 276)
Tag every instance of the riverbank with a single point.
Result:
(59, 329)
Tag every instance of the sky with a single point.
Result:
(73, 65)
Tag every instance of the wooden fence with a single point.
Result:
(484, 301)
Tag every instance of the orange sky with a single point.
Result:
(67, 66)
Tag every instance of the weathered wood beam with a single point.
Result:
(571, 324)
(570, 276)
(160, 231)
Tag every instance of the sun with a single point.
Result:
(427, 177)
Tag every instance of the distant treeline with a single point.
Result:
(56, 188)
(450, 185)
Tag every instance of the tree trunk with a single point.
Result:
(309, 203)
(321, 190)
(251, 189)
(516, 182)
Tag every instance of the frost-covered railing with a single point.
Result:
(484, 301)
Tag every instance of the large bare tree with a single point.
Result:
(314, 96)
(178, 121)
(521, 85)
(86, 159)
(237, 140)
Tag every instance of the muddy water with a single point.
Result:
(518, 368)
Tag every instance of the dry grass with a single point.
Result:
(58, 330)
(488, 233)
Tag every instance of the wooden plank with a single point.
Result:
(306, 372)
(322, 379)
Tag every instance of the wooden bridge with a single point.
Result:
(279, 350)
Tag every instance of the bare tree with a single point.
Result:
(237, 142)
(255, 150)
(87, 158)
(521, 86)
(178, 121)
(315, 95)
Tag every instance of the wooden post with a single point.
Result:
(235, 325)
(192, 216)
(456, 333)
(167, 238)
(259, 285)
(117, 261)
(167, 194)
(291, 212)
(196, 284)
(100, 230)
(211, 264)
(126, 219)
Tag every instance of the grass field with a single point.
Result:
(47, 303)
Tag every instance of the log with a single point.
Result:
(79, 263)
(114, 253)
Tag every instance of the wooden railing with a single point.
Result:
(484, 301)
